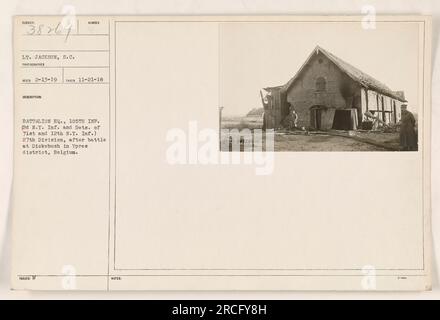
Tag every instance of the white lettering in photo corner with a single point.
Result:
(368, 281)
(203, 147)
(69, 17)
(368, 17)
(68, 280)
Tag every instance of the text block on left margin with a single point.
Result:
(61, 181)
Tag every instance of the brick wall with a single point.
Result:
(340, 91)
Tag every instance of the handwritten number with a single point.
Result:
(49, 30)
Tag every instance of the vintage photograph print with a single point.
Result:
(320, 86)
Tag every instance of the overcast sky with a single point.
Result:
(257, 55)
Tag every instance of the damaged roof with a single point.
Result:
(354, 73)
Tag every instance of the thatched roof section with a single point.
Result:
(354, 73)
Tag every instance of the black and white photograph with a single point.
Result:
(252, 152)
(328, 86)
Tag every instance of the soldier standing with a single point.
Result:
(408, 136)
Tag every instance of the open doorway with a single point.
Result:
(345, 119)
(316, 117)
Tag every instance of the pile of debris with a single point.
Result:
(375, 124)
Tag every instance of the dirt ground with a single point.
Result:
(330, 141)
(323, 142)
(391, 140)
(320, 143)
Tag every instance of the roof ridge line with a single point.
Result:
(355, 74)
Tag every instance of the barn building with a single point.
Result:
(328, 93)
